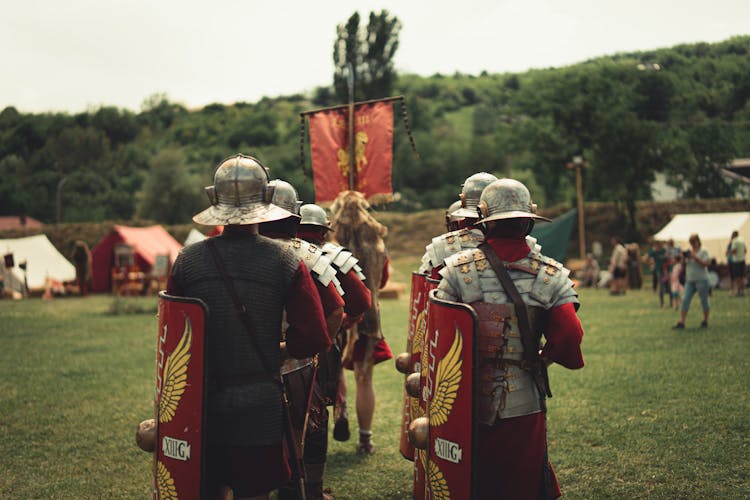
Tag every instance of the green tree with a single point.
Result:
(170, 195)
(709, 147)
(370, 53)
(120, 127)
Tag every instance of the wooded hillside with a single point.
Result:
(682, 111)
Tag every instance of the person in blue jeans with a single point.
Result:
(696, 261)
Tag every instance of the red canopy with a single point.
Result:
(147, 243)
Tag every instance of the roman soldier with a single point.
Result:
(331, 293)
(247, 279)
(285, 231)
(314, 228)
(520, 296)
(465, 234)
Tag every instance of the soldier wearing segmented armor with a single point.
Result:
(512, 446)
(465, 235)
(314, 227)
(332, 293)
(285, 231)
(244, 401)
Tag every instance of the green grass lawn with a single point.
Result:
(655, 412)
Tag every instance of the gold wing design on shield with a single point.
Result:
(447, 381)
(165, 483)
(419, 329)
(438, 484)
(434, 477)
(175, 375)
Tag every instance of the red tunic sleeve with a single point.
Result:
(357, 297)
(329, 297)
(307, 333)
(435, 273)
(564, 334)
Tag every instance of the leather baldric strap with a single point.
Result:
(530, 346)
(247, 321)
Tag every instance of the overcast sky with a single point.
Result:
(74, 55)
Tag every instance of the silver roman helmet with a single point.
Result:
(240, 195)
(450, 218)
(507, 199)
(285, 196)
(470, 192)
(313, 215)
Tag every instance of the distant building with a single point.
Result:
(18, 222)
(738, 170)
(661, 191)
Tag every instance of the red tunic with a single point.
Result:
(512, 454)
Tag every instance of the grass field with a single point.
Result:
(655, 413)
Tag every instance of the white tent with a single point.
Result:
(194, 236)
(714, 230)
(42, 261)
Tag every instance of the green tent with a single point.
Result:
(554, 236)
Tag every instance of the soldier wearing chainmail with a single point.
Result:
(244, 399)
(520, 297)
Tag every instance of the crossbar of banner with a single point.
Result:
(346, 106)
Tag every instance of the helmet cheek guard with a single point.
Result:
(211, 193)
(268, 193)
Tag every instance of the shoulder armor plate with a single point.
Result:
(320, 266)
(447, 244)
(342, 259)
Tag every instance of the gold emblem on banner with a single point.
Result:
(360, 145)
(175, 375)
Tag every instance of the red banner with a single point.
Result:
(373, 150)
(178, 461)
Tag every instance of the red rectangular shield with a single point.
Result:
(179, 396)
(373, 150)
(417, 302)
(448, 384)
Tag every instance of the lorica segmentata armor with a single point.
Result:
(319, 265)
(507, 385)
(342, 259)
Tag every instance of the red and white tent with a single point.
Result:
(147, 242)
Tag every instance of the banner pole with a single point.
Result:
(352, 162)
